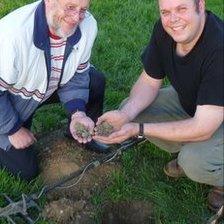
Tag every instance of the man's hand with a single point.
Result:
(22, 139)
(116, 118)
(126, 131)
(80, 117)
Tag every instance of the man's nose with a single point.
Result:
(74, 17)
(173, 17)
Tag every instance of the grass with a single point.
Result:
(124, 30)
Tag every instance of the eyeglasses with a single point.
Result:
(72, 10)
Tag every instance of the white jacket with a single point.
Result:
(25, 66)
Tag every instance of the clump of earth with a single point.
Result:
(71, 203)
(82, 131)
(62, 210)
(104, 129)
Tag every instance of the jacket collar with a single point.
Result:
(40, 33)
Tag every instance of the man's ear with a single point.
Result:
(202, 5)
(47, 3)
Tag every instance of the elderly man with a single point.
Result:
(45, 47)
(186, 117)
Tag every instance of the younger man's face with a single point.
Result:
(181, 19)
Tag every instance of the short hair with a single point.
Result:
(197, 5)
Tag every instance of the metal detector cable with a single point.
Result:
(97, 163)
(81, 175)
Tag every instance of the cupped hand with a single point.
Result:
(126, 131)
(87, 123)
(116, 118)
(22, 139)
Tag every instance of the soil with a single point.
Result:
(82, 131)
(62, 210)
(104, 129)
(60, 156)
(128, 212)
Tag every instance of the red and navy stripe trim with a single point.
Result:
(23, 90)
(83, 66)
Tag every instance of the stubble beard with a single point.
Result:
(57, 28)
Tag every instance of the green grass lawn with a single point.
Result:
(124, 30)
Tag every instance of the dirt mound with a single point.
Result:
(63, 210)
(128, 212)
(71, 204)
(59, 157)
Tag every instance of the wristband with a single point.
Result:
(141, 130)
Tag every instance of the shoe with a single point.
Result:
(216, 198)
(172, 169)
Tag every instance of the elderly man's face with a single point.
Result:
(63, 16)
(181, 19)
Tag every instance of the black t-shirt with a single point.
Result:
(198, 76)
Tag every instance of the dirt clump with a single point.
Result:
(58, 160)
(82, 131)
(104, 129)
(63, 210)
(128, 212)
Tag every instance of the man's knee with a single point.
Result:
(26, 173)
(97, 80)
(188, 160)
(29, 172)
(94, 107)
(199, 168)
(20, 163)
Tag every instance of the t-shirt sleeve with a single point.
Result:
(151, 57)
(211, 91)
